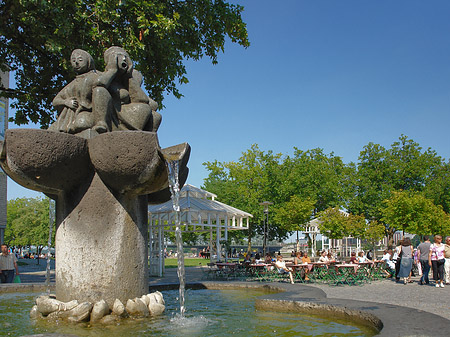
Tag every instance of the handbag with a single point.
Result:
(17, 279)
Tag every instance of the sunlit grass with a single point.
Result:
(171, 262)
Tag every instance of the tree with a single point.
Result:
(374, 232)
(37, 38)
(412, 212)
(315, 175)
(333, 223)
(294, 214)
(372, 183)
(380, 172)
(28, 222)
(355, 226)
(437, 187)
(245, 184)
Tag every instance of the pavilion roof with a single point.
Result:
(199, 208)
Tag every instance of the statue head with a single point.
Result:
(119, 55)
(82, 61)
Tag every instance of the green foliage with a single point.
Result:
(37, 38)
(333, 223)
(337, 225)
(28, 222)
(374, 231)
(437, 187)
(412, 212)
(355, 226)
(314, 175)
(247, 183)
(294, 214)
(293, 182)
(382, 171)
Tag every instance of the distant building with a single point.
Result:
(4, 81)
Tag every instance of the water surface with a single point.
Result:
(209, 313)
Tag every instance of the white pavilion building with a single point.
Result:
(200, 212)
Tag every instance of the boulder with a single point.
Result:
(34, 313)
(109, 320)
(155, 306)
(145, 299)
(159, 297)
(118, 309)
(137, 307)
(47, 305)
(99, 310)
(80, 313)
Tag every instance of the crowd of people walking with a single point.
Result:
(405, 260)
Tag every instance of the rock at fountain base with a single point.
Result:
(98, 313)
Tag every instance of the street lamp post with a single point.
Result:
(266, 222)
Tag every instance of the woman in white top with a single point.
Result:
(324, 257)
(362, 258)
(281, 266)
(436, 260)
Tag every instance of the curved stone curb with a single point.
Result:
(392, 320)
(25, 287)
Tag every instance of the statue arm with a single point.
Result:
(63, 100)
(105, 79)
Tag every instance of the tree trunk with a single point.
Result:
(390, 236)
(249, 246)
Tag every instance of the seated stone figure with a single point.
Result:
(104, 101)
(74, 102)
(131, 108)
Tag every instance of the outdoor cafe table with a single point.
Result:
(377, 271)
(320, 272)
(298, 268)
(226, 269)
(259, 270)
(347, 273)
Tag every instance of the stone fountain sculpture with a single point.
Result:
(102, 163)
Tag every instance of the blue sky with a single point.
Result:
(329, 74)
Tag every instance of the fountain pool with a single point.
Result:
(209, 313)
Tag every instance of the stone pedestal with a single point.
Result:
(102, 187)
(101, 246)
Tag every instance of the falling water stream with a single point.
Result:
(173, 166)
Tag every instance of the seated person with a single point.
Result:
(323, 257)
(353, 258)
(298, 258)
(305, 258)
(258, 258)
(268, 259)
(247, 260)
(387, 258)
(331, 258)
(362, 258)
(281, 266)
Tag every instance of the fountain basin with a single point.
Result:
(45, 161)
(211, 313)
(129, 161)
